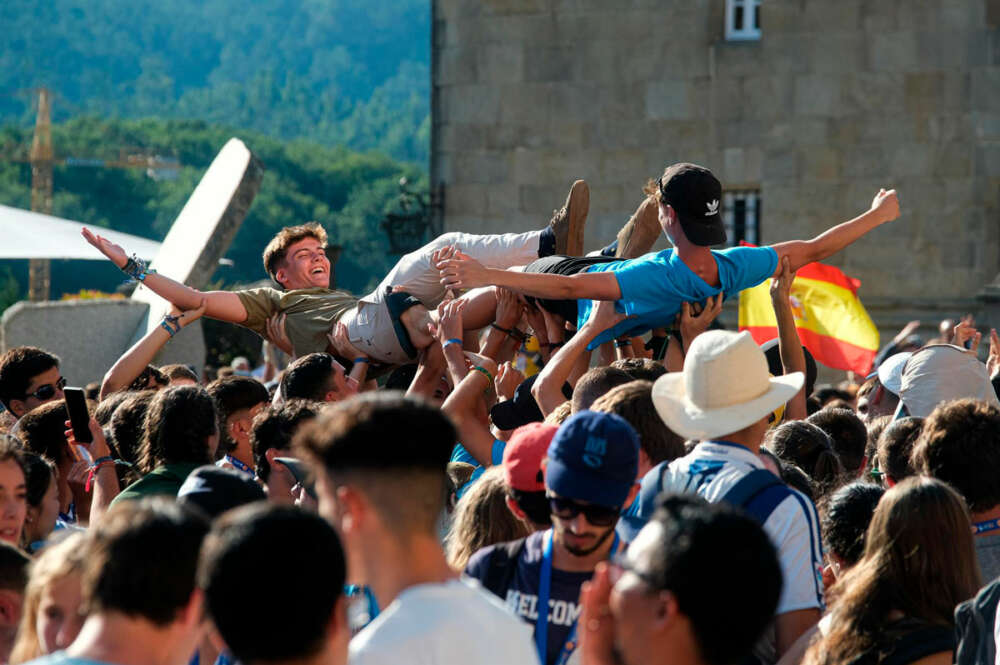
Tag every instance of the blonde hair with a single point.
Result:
(274, 253)
(560, 413)
(482, 518)
(55, 563)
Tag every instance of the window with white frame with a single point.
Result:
(741, 216)
(742, 20)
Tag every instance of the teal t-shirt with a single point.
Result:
(60, 658)
(653, 286)
(460, 454)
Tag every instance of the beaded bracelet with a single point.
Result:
(136, 268)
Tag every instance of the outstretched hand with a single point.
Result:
(186, 317)
(603, 315)
(449, 325)
(458, 270)
(886, 203)
(695, 318)
(341, 342)
(781, 286)
(993, 360)
(276, 333)
(114, 252)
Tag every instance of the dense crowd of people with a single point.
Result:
(513, 453)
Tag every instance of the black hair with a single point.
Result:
(808, 447)
(895, 445)
(106, 408)
(298, 607)
(178, 424)
(274, 427)
(233, 394)
(846, 517)
(18, 367)
(384, 430)
(392, 447)
(13, 568)
(308, 377)
(696, 558)
(847, 434)
(142, 558)
(39, 474)
(128, 422)
(534, 504)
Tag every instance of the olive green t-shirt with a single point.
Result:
(311, 313)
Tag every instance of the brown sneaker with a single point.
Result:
(640, 231)
(569, 221)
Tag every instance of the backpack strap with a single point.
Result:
(758, 493)
(502, 566)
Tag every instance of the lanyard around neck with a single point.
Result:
(985, 527)
(238, 464)
(544, 590)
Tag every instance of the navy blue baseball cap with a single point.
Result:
(594, 457)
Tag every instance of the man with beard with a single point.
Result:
(590, 474)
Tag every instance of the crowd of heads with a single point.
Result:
(624, 474)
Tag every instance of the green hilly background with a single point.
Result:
(332, 95)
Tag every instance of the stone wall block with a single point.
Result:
(501, 63)
(669, 100)
(524, 104)
(894, 51)
(475, 104)
(814, 95)
(484, 167)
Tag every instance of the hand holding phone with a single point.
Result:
(79, 416)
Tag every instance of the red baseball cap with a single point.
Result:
(523, 455)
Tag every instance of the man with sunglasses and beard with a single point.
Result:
(590, 474)
(29, 377)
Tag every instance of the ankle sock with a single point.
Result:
(546, 243)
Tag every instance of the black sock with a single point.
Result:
(547, 243)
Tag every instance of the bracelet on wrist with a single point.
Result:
(485, 372)
(554, 345)
(136, 269)
(519, 335)
(506, 331)
(622, 343)
(166, 326)
(453, 340)
(362, 359)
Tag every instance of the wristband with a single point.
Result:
(621, 343)
(519, 334)
(98, 464)
(506, 331)
(453, 340)
(136, 268)
(362, 359)
(166, 326)
(485, 372)
(554, 345)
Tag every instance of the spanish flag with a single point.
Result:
(831, 320)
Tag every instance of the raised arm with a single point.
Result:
(132, 362)
(463, 272)
(885, 208)
(222, 305)
(793, 358)
(547, 389)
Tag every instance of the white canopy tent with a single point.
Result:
(31, 235)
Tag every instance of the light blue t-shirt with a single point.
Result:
(460, 454)
(653, 286)
(60, 658)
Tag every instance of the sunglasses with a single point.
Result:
(48, 390)
(568, 509)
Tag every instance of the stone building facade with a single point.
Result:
(832, 101)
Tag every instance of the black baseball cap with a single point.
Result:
(523, 408)
(696, 195)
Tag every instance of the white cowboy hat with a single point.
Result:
(725, 387)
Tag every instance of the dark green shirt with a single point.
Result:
(164, 480)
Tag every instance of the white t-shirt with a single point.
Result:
(457, 622)
(712, 469)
